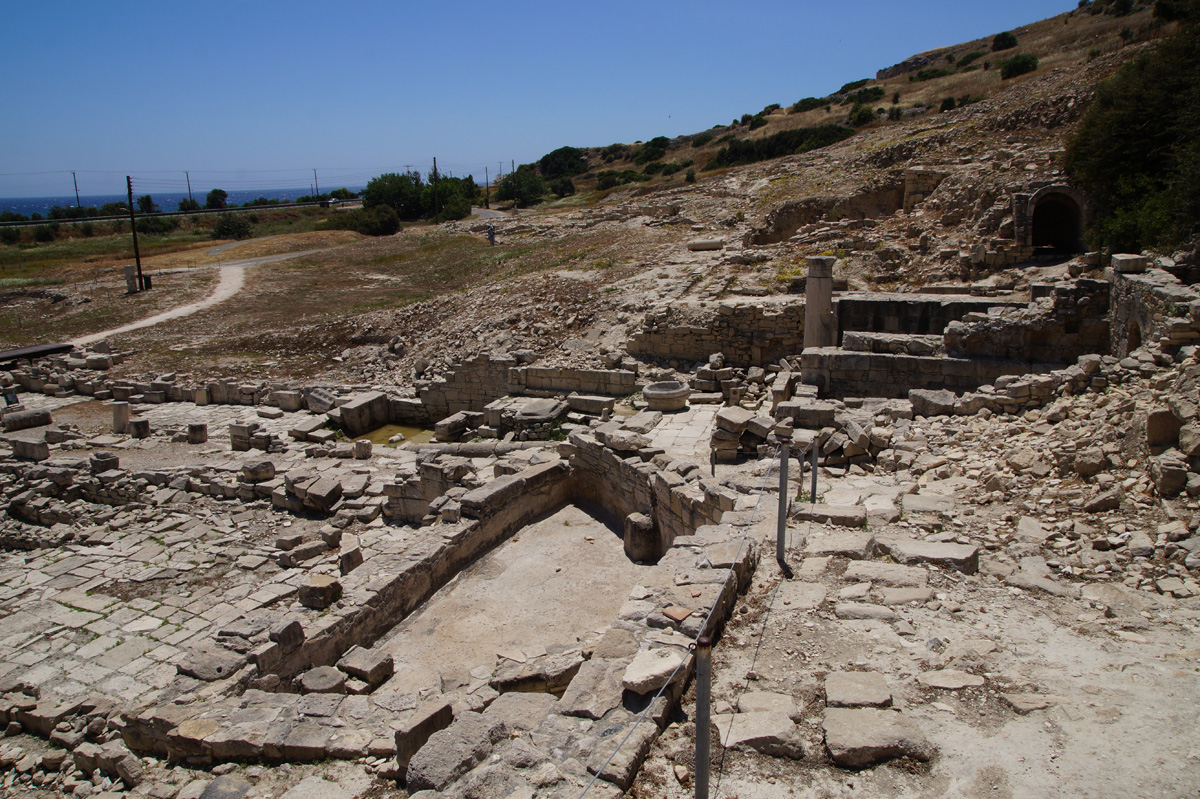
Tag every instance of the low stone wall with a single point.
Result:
(748, 334)
(1152, 308)
(922, 314)
(838, 373)
(1072, 322)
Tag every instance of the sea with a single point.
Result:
(167, 201)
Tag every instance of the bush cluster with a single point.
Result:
(231, 226)
(786, 142)
(1004, 41)
(808, 104)
(1018, 65)
(411, 197)
(524, 187)
(1137, 149)
(378, 221)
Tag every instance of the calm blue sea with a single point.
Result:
(167, 201)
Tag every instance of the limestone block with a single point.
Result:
(322, 680)
(771, 733)
(857, 689)
(453, 751)
(651, 669)
(857, 738)
(961, 557)
(1129, 264)
(416, 728)
(320, 591)
(372, 666)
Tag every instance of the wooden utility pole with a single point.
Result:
(487, 189)
(76, 180)
(435, 197)
(316, 183)
(133, 227)
(189, 182)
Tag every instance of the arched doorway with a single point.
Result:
(1057, 223)
(1134, 338)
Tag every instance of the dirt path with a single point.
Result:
(233, 277)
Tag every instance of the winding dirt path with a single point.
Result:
(233, 277)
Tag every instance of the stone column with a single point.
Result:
(139, 428)
(819, 329)
(120, 417)
(197, 433)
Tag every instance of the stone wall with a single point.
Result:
(920, 314)
(1152, 307)
(920, 183)
(1072, 322)
(748, 334)
(840, 373)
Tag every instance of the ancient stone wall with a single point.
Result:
(1152, 307)
(1072, 322)
(840, 373)
(916, 313)
(748, 334)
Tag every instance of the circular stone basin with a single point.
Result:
(670, 395)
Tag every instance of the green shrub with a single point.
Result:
(970, 58)
(852, 85)
(563, 162)
(524, 187)
(188, 205)
(702, 139)
(947, 105)
(562, 187)
(612, 152)
(1004, 41)
(1137, 149)
(895, 113)
(932, 73)
(1018, 65)
(861, 115)
(231, 226)
(757, 122)
(807, 104)
(10, 235)
(690, 177)
(45, 233)
(380, 220)
(156, 225)
(216, 199)
(786, 142)
(865, 96)
(769, 109)
(649, 152)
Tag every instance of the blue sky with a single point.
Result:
(257, 94)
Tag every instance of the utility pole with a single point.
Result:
(76, 180)
(189, 182)
(514, 165)
(316, 183)
(435, 197)
(133, 227)
(487, 189)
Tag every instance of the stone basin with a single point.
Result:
(669, 395)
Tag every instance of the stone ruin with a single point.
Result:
(295, 668)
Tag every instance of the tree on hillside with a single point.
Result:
(216, 199)
(1137, 150)
(400, 191)
(146, 204)
(524, 187)
(565, 162)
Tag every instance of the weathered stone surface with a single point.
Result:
(322, 494)
(839, 515)
(770, 702)
(210, 665)
(227, 786)
(796, 595)
(323, 680)
(372, 666)
(521, 710)
(769, 732)
(1024, 703)
(320, 591)
(1034, 582)
(316, 788)
(288, 633)
(856, 546)
(651, 669)
(950, 679)
(595, 690)
(1029, 529)
(861, 610)
(903, 596)
(871, 571)
(931, 402)
(857, 689)
(857, 738)
(962, 557)
(452, 752)
(625, 762)
(258, 471)
(415, 729)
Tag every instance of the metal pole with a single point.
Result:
(781, 529)
(188, 175)
(703, 719)
(813, 495)
(133, 227)
(75, 180)
(487, 189)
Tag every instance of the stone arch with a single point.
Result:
(1053, 217)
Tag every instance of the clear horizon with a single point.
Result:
(258, 95)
